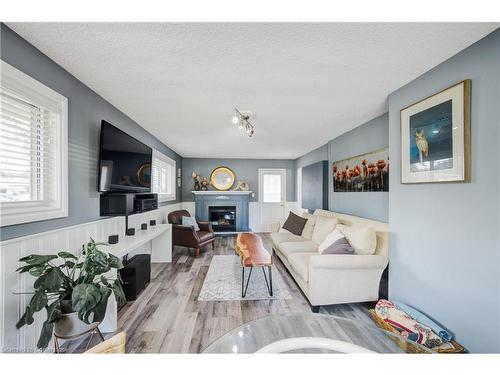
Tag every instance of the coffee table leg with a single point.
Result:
(244, 293)
(242, 280)
(271, 280)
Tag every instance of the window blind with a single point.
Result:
(163, 176)
(28, 149)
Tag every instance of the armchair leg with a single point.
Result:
(197, 252)
(213, 247)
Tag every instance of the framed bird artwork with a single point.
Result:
(435, 137)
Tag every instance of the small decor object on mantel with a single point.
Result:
(73, 289)
(196, 179)
(204, 184)
(435, 137)
(222, 178)
(363, 173)
(242, 185)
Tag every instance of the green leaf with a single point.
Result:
(27, 318)
(52, 280)
(34, 259)
(119, 293)
(38, 301)
(54, 312)
(68, 264)
(37, 270)
(23, 269)
(45, 335)
(100, 309)
(84, 299)
(114, 261)
(66, 255)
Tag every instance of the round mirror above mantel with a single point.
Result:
(222, 178)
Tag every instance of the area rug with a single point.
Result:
(223, 282)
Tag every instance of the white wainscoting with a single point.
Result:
(254, 220)
(68, 238)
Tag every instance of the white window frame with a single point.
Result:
(159, 157)
(25, 212)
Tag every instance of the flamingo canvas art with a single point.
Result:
(362, 173)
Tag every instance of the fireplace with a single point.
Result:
(222, 218)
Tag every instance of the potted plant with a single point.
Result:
(73, 289)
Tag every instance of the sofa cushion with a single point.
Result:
(288, 248)
(324, 225)
(307, 232)
(279, 237)
(300, 264)
(335, 243)
(294, 224)
(362, 239)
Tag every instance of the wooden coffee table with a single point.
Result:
(252, 254)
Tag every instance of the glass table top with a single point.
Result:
(253, 336)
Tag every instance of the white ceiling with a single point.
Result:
(306, 83)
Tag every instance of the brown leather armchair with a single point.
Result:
(186, 235)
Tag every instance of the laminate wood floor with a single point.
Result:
(168, 318)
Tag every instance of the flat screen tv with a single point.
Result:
(124, 162)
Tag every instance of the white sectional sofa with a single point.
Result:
(333, 278)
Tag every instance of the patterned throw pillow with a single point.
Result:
(190, 221)
(294, 224)
(335, 243)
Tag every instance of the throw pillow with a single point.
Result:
(190, 221)
(307, 232)
(335, 243)
(362, 239)
(294, 224)
(324, 225)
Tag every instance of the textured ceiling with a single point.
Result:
(306, 83)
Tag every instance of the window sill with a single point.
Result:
(165, 198)
(32, 216)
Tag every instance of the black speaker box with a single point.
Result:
(136, 274)
(113, 239)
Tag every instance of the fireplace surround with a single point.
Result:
(219, 201)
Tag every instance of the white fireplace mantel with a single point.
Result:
(219, 192)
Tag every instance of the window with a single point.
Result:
(33, 149)
(163, 177)
(272, 188)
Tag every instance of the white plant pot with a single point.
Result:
(70, 326)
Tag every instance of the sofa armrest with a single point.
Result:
(345, 261)
(276, 226)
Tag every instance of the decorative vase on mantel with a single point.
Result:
(197, 186)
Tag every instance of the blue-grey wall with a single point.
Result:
(319, 154)
(86, 110)
(445, 245)
(245, 169)
(368, 137)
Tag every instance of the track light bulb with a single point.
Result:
(235, 119)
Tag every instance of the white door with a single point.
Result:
(272, 195)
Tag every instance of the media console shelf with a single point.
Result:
(161, 243)
(160, 237)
